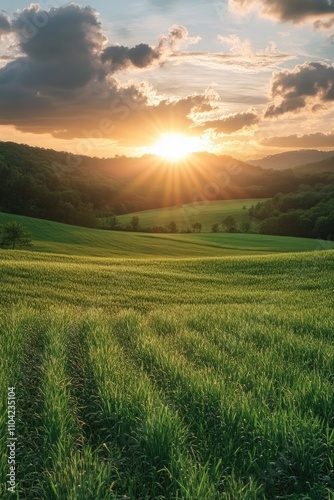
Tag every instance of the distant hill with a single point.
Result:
(326, 165)
(76, 189)
(291, 159)
(80, 190)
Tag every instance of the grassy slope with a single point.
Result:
(217, 383)
(207, 213)
(167, 378)
(143, 284)
(61, 238)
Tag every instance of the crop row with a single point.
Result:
(188, 403)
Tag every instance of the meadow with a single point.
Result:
(205, 212)
(54, 237)
(169, 378)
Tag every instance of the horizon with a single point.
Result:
(185, 159)
(226, 76)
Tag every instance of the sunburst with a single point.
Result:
(176, 147)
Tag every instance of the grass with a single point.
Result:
(169, 378)
(205, 212)
(53, 237)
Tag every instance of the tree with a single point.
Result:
(230, 224)
(215, 228)
(14, 234)
(134, 224)
(245, 226)
(172, 227)
(197, 227)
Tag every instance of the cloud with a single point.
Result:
(179, 36)
(255, 63)
(244, 48)
(132, 120)
(232, 123)
(315, 140)
(240, 57)
(309, 84)
(59, 51)
(5, 26)
(325, 25)
(143, 55)
(288, 10)
(63, 81)
(140, 56)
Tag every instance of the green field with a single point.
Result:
(207, 213)
(72, 240)
(201, 378)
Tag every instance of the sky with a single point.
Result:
(247, 78)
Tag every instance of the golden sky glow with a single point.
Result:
(176, 146)
(247, 77)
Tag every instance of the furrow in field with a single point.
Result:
(228, 421)
(135, 419)
(22, 360)
(70, 470)
(85, 399)
(270, 362)
(218, 426)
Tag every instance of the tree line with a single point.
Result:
(113, 224)
(308, 212)
(228, 225)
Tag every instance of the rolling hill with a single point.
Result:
(167, 378)
(57, 238)
(291, 159)
(326, 165)
(76, 190)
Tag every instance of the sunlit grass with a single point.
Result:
(187, 379)
(56, 238)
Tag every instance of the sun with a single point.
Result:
(175, 147)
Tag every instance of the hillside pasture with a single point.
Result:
(171, 378)
(53, 237)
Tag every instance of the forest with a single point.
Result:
(81, 190)
(308, 212)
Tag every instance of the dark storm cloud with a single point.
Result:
(232, 123)
(290, 10)
(311, 83)
(315, 140)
